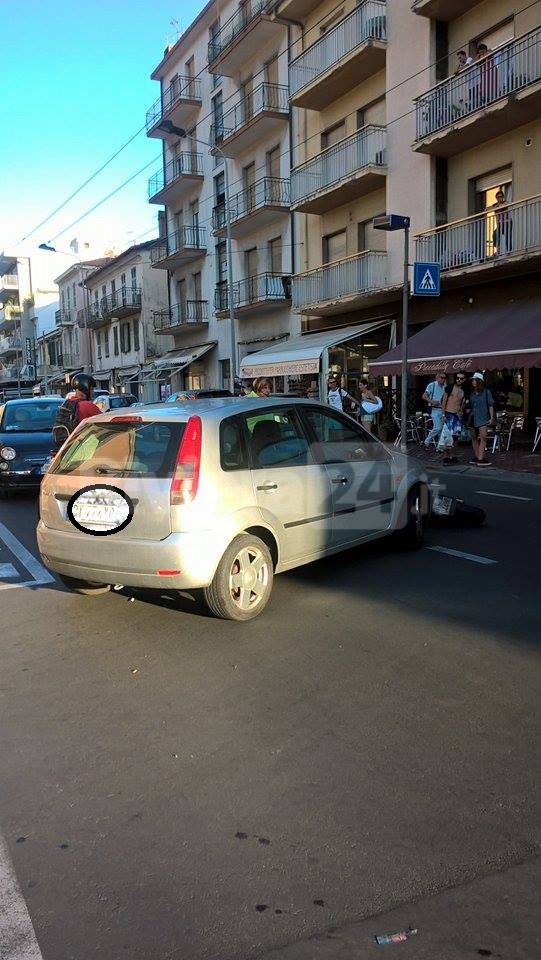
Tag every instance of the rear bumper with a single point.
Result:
(133, 563)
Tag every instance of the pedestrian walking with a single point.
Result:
(433, 395)
(77, 407)
(370, 405)
(338, 398)
(481, 416)
(452, 407)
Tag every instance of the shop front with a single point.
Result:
(301, 365)
(176, 370)
(504, 341)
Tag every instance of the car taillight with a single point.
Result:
(186, 476)
(126, 419)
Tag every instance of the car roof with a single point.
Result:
(214, 408)
(53, 396)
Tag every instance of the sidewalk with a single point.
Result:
(494, 916)
(519, 459)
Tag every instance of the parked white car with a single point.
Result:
(220, 495)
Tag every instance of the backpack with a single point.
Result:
(65, 422)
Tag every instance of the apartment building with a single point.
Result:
(64, 346)
(225, 84)
(123, 296)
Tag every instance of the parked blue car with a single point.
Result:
(25, 441)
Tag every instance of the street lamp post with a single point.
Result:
(169, 127)
(390, 223)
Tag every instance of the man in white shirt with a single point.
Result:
(337, 397)
(433, 395)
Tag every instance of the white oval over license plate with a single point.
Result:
(100, 510)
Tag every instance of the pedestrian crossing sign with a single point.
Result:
(426, 280)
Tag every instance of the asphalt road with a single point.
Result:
(178, 787)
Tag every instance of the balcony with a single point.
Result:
(64, 318)
(255, 116)
(347, 170)
(250, 28)
(9, 284)
(262, 292)
(489, 98)
(297, 9)
(9, 345)
(341, 59)
(167, 185)
(442, 9)
(190, 315)
(341, 286)
(123, 303)
(187, 244)
(489, 244)
(178, 103)
(70, 361)
(258, 205)
(9, 316)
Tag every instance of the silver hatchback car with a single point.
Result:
(220, 495)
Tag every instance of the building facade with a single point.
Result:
(425, 109)
(225, 85)
(123, 295)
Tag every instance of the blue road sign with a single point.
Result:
(426, 280)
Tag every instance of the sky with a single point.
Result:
(75, 82)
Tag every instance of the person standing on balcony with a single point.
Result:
(503, 234)
(488, 74)
(433, 395)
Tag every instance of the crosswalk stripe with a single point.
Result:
(7, 570)
(36, 570)
(17, 936)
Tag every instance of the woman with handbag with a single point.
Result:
(452, 406)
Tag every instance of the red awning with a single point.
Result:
(504, 335)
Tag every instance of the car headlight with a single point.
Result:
(8, 453)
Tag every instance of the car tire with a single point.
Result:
(242, 584)
(410, 534)
(83, 587)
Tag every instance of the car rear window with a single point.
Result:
(122, 449)
(29, 417)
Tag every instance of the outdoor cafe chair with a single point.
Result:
(537, 438)
(517, 423)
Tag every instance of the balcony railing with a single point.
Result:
(189, 313)
(269, 191)
(345, 278)
(367, 22)
(10, 344)
(489, 237)
(186, 164)
(512, 67)
(182, 89)
(186, 239)
(9, 281)
(263, 288)
(123, 302)
(63, 316)
(270, 97)
(233, 27)
(363, 149)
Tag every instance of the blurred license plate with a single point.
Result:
(97, 513)
(443, 506)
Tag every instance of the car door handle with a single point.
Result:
(268, 486)
(340, 480)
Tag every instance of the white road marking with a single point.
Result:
(464, 556)
(37, 571)
(504, 496)
(17, 935)
(7, 570)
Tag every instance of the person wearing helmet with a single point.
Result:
(77, 407)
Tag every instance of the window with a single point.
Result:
(69, 298)
(146, 449)
(221, 262)
(338, 441)
(216, 80)
(276, 439)
(273, 163)
(136, 335)
(98, 342)
(181, 297)
(494, 37)
(247, 99)
(74, 295)
(271, 70)
(334, 246)
(63, 299)
(332, 21)
(219, 191)
(113, 292)
(225, 374)
(250, 262)
(218, 116)
(123, 285)
(275, 255)
(373, 112)
(194, 214)
(333, 134)
(233, 453)
(248, 179)
(197, 286)
(189, 72)
(104, 291)
(368, 238)
(125, 338)
(133, 275)
(115, 341)
(105, 342)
